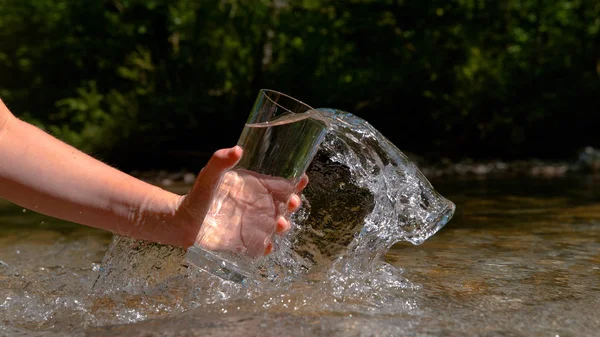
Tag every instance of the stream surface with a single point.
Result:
(520, 257)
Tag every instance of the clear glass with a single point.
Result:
(280, 139)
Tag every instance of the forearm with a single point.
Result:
(41, 173)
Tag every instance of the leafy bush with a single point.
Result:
(136, 81)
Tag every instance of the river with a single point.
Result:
(521, 257)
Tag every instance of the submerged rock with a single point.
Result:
(337, 207)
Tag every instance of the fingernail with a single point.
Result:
(281, 225)
(233, 150)
(269, 249)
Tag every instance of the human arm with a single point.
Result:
(44, 174)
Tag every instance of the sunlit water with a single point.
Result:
(520, 257)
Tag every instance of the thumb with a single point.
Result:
(208, 179)
(221, 161)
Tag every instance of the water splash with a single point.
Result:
(407, 207)
(358, 172)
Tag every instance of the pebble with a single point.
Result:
(189, 178)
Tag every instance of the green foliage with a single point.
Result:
(95, 122)
(462, 77)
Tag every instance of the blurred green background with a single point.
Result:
(162, 84)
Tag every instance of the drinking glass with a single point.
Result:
(279, 139)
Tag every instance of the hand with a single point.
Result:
(247, 211)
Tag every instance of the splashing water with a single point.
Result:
(396, 202)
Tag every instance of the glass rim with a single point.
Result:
(264, 91)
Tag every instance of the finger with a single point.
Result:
(223, 160)
(282, 225)
(294, 203)
(210, 176)
(302, 183)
